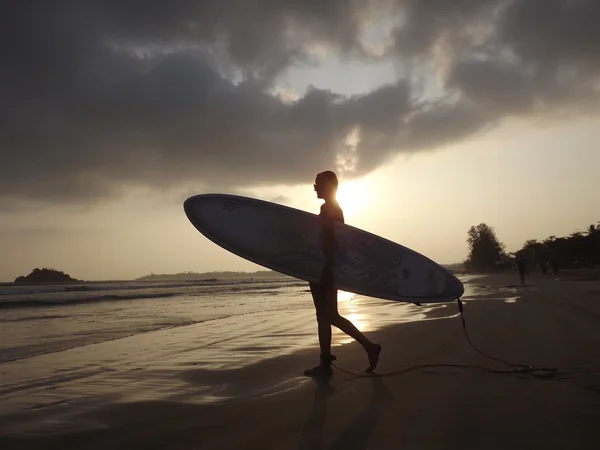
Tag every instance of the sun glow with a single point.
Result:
(352, 197)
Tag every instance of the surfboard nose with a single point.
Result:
(455, 286)
(198, 206)
(193, 203)
(198, 210)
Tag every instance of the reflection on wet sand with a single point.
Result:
(358, 432)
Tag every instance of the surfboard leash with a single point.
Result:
(523, 368)
(420, 367)
(541, 372)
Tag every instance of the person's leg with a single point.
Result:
(324, 331)
(350, 329)
(323, 319)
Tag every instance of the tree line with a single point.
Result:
(487, 253)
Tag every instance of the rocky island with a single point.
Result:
(45, 276)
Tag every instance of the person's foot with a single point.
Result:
(322, 370)
(373, 354)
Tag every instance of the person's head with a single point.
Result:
(326, 184)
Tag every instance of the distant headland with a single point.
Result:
(211, 276)
(45, 276)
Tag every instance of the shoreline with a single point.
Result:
(545, 323)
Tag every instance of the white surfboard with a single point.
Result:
(288, 240)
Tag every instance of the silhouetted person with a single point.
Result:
(324, 293)
(522, 266)
(555, 267)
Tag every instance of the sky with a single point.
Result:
(435, 115)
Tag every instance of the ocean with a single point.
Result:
(60, 348)
(231, 316)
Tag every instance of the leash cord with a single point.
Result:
(517, 367)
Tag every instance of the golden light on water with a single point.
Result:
(349, 310)
(344, 296)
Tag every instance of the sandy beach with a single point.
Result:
(433, 390)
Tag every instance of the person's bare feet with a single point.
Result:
(373, 354)
(322, 370)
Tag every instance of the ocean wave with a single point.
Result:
(135, 285)
(10, 354)
(30, 318)
(55, 301)
(23, 352)
(108, 293)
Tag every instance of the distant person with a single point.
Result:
(522, 266)
(325, 293)
(555, 267)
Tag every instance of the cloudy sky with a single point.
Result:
(436, 114)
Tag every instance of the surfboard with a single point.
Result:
(289, 241)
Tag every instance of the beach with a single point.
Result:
(236, 382)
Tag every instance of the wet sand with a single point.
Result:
(443, 395)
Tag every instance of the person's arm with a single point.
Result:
(329, 244)
(329, 248)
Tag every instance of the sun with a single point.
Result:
(352, 197)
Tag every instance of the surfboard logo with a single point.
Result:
(230, 206)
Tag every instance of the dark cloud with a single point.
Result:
(497, 86)
(554, 34)
(510, 57)
(425, 24)
(97, 96)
